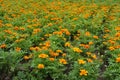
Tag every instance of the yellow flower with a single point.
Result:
(74, 19)
(111, 48)
(117, 28)
(43, 55)
(90, 43)
(51, 59)
(86, 46)
(95, 37)
(3, 46)
(87, 33)
(58, 51)
(40, 66)
(117, 34)
(18, 49)
(64, 54)
(94, 56)
(81, 61)
(77, 50)
(89, 60)
(67, 44)
(26, 57)
(62, 61)
(88, 53)
(83, 72)
(118, 59)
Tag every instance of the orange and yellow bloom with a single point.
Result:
(83, 72)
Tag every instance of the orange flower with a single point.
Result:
(77, 50)
(62, 61)
(32, 48)
(82, 45)
(3, 46)
(47, 43)
(87, 33)
(66, 31)
(43, 55)
(49, 24)
(21, 28)
(89, 60)
(90, 43)
(86, 16)
(95, 37)
(118, 59)
(117, 34)
(74, 19)
(18, 49)
(35, 31)
(117, 28)
(51, 59)
(58, 51)
(67, 44)
(88, 53)
(86, 46)
(81, 61)
(111, 48)
(26, 57)
(94, 56)
(64, 54)
(54, 54)
(83, 72)
(40, 66)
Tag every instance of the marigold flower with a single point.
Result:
(87, 33)
(89, 60)
(67, 44)
(86, 46)
(51, 59)
(18, 49)
(111, 48)
(81, 61)
(58, 51)
(118, 59)
(3, 46)
(117, 34)
(94, 56)
(43, 55)
(90, 43)
(77, 50)
(64, 54)
(83, 72)
(26, 57)
(47, 43)
(82, 45)
(86, 16)
(49, 24)
(74, 19)
(40, 66)
(95, 37)
(117, 28)
(67, 33)
(54, 54)
(88, 53)
(62, 61)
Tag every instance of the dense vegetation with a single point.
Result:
(59, 40)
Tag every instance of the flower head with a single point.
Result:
(63, 61)
(118, 59)
(43, 55)
(77, 50)
(40, 66)
(83, 72)
(81, 61)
